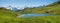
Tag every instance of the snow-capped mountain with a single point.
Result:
(12, 8)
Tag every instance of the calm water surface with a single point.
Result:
(32, 15)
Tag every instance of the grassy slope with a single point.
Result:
(7, 16)
(54, 9)
(42, 19)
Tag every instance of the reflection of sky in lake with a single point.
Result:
(33, 15)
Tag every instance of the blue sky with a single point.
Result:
(25, 3)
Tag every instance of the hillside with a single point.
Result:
(4, 11)
(7, 16)
(53, 8)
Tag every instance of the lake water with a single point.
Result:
(32, 15)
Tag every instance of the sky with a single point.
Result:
(25, 3)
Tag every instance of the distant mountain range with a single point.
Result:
(12, 8)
